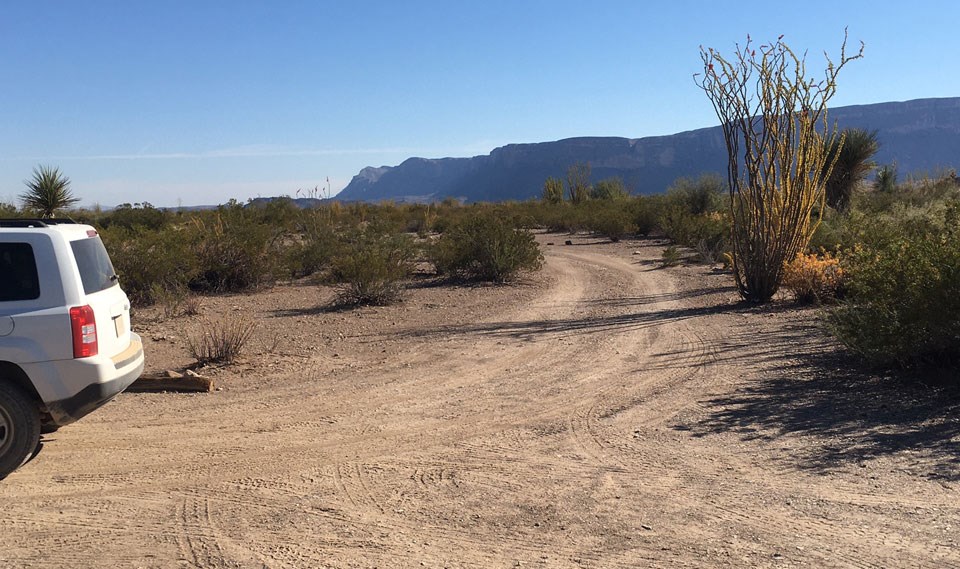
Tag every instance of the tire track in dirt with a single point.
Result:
(542, 432)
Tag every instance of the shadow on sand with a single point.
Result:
(815, 389)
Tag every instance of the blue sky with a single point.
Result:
(196, 102)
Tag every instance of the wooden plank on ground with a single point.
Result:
(172, 381)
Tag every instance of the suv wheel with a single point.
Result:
(19, 428)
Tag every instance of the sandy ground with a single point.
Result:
(604, 413)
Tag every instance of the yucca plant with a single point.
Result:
(47, 192)
(851, 164)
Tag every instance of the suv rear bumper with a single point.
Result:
(103, 378)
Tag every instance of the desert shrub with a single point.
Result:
(486, 248)
(279, 213)
(814, 278)
(613, 224)
(919, 191)
(138, 215)
(370, 267)
(607, 217)
(834, 233)
(609, 189)
(670, 257)
(710, 251)
(561, 218)
(234, 251)
(220, 341)
(692, 211)
(697, 196)
(903, 291)
(645, 214)
(552, 192)
(151, 264)
(690, 229)
(311, 246)
(8, 210)
(170, 299)
(578, 182)
(886, 178)
(191, 305)
(421, 219)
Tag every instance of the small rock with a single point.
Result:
(568, 242)
(646, 527)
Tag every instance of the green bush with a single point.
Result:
(561, 218)
(609, 219)
(8, 210)
(370, 267)
(151, 264)
(691, 229)
(697, 196)
(834, 234)
(692, 213)
(645, 214)
(142, 215)
(486, 248)
(311, 246)
(609, 189)
(234, 251)
(903, 290)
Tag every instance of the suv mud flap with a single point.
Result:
(68, 410)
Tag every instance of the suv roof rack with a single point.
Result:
(26, 222)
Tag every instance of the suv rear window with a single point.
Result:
(18, 273)
(96, 270)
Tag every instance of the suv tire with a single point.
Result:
(19, 428)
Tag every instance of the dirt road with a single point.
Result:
(608, 413)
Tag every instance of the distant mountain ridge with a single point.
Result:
(920, 135)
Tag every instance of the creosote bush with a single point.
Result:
(608, 217)
(234, 252)
(153, 265)
(902, 304)
(370, 268)
(485, 248)
(220, 341)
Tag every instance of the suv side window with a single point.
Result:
(96, 270)
(18, 273)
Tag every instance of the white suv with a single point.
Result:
(65, 342)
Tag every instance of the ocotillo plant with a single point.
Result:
(774, 120)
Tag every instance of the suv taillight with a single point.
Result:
(84, 327)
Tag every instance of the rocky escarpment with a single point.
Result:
(920, 136)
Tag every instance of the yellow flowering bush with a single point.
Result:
(814, 278)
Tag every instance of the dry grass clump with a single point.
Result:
(220, 341)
